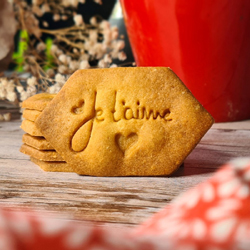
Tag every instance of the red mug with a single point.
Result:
(205, 42)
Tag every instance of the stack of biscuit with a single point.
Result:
(135, 121)
(34, 143)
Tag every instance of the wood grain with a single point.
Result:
(124, 201)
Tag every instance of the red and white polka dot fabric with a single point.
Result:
(215, 215)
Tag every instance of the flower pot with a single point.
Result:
(205, 42)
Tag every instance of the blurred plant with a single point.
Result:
(51, 55)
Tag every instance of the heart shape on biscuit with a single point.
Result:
(126, 142)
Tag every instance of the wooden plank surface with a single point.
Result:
(123, 201)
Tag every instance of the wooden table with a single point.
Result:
(120, 201)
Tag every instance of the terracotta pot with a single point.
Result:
(206, 43)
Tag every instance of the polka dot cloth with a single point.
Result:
(214, 215)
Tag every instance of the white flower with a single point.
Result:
(74, 65)
(78, 20)
(102, 64)
(32, 81)
(60, 78)
(65, 3)
(24, 95)
(37, 2)
(11, 96)
(118, 45)
(84, 64)
(31, 90)
(59, 52)
(3, 85)
(56, 17)
(104, 25)
(64, 17)
(98, 1)
(45, 8)
(62, 69)
(122, 56)
(84, 56)
(107, 36)
(97, 51)
(74, 3)
(10, 87)
(107, 58)
(114, 33)
(93, 35)
(63, 58)
(4, 82)
(19, 89)
(37, 10)
(114, 54)
(50, 73)
(26, 67)
(54, 89)
(113, 65)
(69, 59)
(3, 93)
(53, 48)
(93, 20)
(87, 46)
(45, 24)
(51, 89)
(41, 46)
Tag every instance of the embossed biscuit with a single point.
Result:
(38, 101)
(30, 128)
(124, 122)
(31, 114)
(37, 142)
(43, 155)
(52, 166)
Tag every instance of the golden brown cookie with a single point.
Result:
(30, 128)
(43, 155)
(38, 101)
(37, 142)
(124, 122)
(51, 166)
(31, 114)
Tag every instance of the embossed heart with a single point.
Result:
(126, 142)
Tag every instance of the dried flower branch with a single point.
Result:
(51, 55)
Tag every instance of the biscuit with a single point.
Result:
(37, 142)
(42, 155)
(31, 114)
(38, 101)
(30, 128)
(139, 121)
(52, 166)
